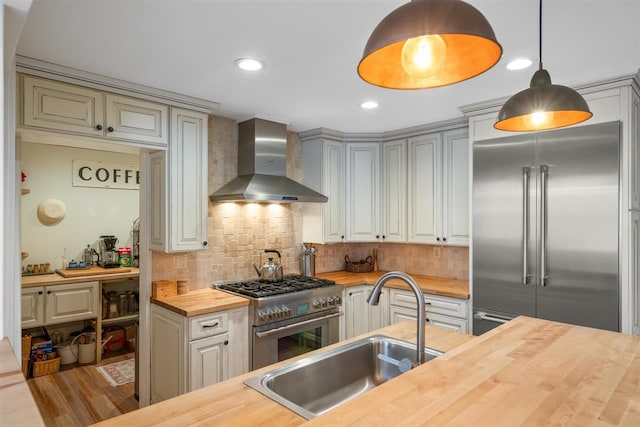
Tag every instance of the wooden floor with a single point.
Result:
(81, 396)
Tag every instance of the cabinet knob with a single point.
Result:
(342, 237)
(99, 127)
(48, 292)
(444, 239)
(205, 243)
(384, 237)
(110, 129)
(226, 342)
(438, 239)
(40, 292)
(377, 236)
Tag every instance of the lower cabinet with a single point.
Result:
(442, 312)
(188, 353)
(48, 305)
(359, 316)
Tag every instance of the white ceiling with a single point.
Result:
(312, 48)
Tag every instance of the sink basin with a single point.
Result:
(313, 385)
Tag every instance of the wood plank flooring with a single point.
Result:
(81, 396)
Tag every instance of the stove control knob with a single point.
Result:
(286, 311)
(323, 302)
(338, 300)
(315, 303)
(331, 301)
(269, 314)
(262, 315)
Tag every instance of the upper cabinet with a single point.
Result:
(438, 188)
(394, 191)
(363, 192)
(178, 180)
(61, 107)
(323, 171)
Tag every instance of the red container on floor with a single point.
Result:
(117, 340)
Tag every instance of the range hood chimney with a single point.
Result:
(262, 166)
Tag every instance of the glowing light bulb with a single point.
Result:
(539, 118)
(423, 56)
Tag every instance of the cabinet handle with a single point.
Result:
(377, 236)
(211, 326)
(438, 239)
(444, 239)
(226, 342)
(205, 243)
(48, 292)
(110, 129)
(40, 292)
(427, 320)
(99, 127)
(384, 237)
(342, 237)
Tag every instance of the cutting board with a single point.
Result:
(93, 271)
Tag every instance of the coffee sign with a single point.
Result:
(89, 173)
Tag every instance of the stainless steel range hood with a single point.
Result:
(262, 166)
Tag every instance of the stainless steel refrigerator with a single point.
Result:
(545, 227)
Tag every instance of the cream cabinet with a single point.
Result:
(394, 191)
(442, 312)
(363, 192)
(323, 171)
(188, 353)
(438, 188)
(70, 109)
(178, 179)
(359, 316)
(634, 258)
(49, 305)
(32, 307)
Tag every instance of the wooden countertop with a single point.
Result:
(56, 279)
(431, 285)
(201, 301)
(232, 403)
(528, 372)
(17, 407)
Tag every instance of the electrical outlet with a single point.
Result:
(436, 252)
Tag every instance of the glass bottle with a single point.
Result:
(122, 305)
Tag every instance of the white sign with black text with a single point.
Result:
(89, 173)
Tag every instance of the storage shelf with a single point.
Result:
(119, 319)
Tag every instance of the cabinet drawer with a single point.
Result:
(207, 325)
(434, 303)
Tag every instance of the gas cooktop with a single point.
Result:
(262, 288)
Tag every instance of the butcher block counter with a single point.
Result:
(200, 301)
(430, 285)
(96, 273)
(17, 406)
(528, 372)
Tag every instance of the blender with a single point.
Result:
(108, 252)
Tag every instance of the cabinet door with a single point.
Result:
(67, 303)
(455, 187)
(158, 204)
(394, 191)
(136, 119)
(424, 188)
(32, 307)
(401, 314)
(333, 177)
(208, 361)
(363, 192)
(62, 107)
(238, 341)
(188, 201)
(356, 312)
(168, 342)
(634, 258)
(449, 323)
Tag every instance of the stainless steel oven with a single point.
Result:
(287, 318)
(279, 341)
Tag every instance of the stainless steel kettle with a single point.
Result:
(271, 271)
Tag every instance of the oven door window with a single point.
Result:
(299, 343)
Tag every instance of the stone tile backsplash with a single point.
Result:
(238, 233)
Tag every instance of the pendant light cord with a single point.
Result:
(540, 36)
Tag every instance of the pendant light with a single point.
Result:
(543, 105)
(429, 43)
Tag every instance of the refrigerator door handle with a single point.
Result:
(525, 223)
(484, 316)
(544, 173)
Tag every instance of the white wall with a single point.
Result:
(90, 212)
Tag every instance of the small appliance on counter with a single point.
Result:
(108, 252)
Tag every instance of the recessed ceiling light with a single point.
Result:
(369, 105)
(519, 64)
(249, 64)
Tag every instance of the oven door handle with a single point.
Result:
(295, 325)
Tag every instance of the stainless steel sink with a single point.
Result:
(313, 385)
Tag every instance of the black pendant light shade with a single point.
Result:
(429, 43)
(543, 105)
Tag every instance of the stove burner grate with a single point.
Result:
(262, 288)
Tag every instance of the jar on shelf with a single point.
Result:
(123, 309)
(113, 305)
